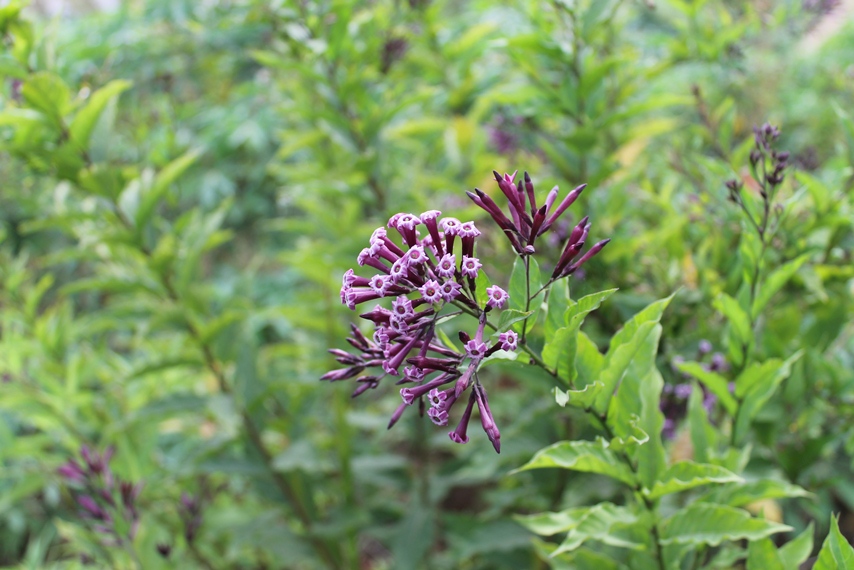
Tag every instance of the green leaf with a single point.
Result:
(577, 311)
(627, 402)
(796, 551)
(716, 384)
(46, 92)
(579, 559)
(481, 284)
(414, 537)
(625, 345)
(161, 184)
(86, 118)
(585, 456)
(558, 303)
(560, 349)
(518, 287)
(836, 552)
(579, 398)
(762, 555)
(605, 523)
(509, 317)
(752, 491)
(775, 281)
(761, 381)
(704, 436)
(704, 523)
(618, 360)
(602, 522)
(684, 475)
(737, 317)
(589, 362)
(633, 438)
(519, 292)
(548, 524)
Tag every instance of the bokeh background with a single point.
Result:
(169, 278)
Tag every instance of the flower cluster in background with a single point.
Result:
(434, 266)
(106, 501)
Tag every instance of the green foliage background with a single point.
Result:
(184, 183)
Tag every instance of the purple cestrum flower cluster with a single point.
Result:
(108, 503)
(431, 264)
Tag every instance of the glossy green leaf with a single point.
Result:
(604, 523)
(559, 353)
(47, 93)
(583, 398)
(751, 491)
(836, 552)
(704, 436)
(481, 284)
(161, 185)
(510, 317)
(775, 281)
(796, 551)
(714, 382)
(586, 456)
(762, 555)
(558, 303)
(87, 117)
(761, 383)
(625, 345)
(684, 475)
(737, 317)
(522, 285)
(704, 523)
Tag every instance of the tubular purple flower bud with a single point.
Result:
(573, 246)
(459, 434)
(431, 363)
(590, 253)
(529, 188)
(539, 218)
(550, 199)
(342, 373)
(566, 203)
(396, 415)
(486, 419)
(463, 381)
(409, 395)
(91, 507)
(72, 472)
(363, 387)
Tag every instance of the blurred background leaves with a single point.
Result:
(185, 183)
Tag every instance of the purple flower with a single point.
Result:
(416, 255)
(380, 284)
(422, 276)
(497, 297)
(508, 340)
(468, 229)
(401, 307)
(451, 226)
(450, 290)
(436, 397)
(470, 266)
(438, 416)
(475, 349)
(447, 265)
(431, 292)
